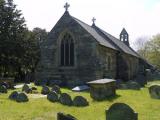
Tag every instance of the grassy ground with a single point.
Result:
(42, 109)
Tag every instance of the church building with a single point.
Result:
(75, 53)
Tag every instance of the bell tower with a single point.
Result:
(124, 37)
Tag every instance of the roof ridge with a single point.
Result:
(81, 21)
(100, 30)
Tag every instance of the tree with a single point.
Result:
(12, 29)
(141, 47)
(154, 50)
(19, 47)
(150, 50)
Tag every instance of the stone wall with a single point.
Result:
(106, 71)
(86, 61)
(127, 66)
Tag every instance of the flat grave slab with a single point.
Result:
(80, 88)
(102, 89)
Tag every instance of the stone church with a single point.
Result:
(76, 53)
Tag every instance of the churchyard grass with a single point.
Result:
(42, 109)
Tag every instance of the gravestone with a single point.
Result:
(62, 116)
(13, 95)
(154, 91)
(56, 89)
(45, 90)
(121, 111)
(52, 96)
(26, 88)
(3, 89)
(65, 99)
(102, 89)
(133, 85)
(80, 101)
(22, 97)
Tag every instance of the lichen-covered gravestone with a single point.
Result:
(45, 90)
(56, 89)
(65, 99)
(102, 89)
(52, 96)
(13, 95)
(80, 101)
(62, 116)
(154, 91)
(22, 97)
(121, 111)
(26, 88)
(3, 89)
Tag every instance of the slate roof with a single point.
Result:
(94, 33)
(106, 39)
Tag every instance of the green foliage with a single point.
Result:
(19, 47)
(150, 50)
(42, 109)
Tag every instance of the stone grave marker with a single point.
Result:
(154, 91)
(121, 111)
(62, 116)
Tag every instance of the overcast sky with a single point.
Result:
(139, 17)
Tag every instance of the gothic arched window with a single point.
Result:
(67, 51)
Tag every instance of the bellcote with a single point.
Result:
(124, 37)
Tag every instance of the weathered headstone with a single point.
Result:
(13, 95)
(154, 91)
(45, 90)
(133, 85)
(22, 97)
(102, 89)
(57, 89)
(80, 101)
(121, 111)
(26, 88)
(65, 99)
(62, 116)
(3, 89)
(52, 96)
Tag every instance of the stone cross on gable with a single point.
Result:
(93, 20)
(66, 6)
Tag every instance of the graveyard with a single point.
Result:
(76, 70)
(39, 108)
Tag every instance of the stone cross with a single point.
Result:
(66, 6)
(93, 20)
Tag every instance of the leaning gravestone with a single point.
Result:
(121, 111)
(52, 96)
(3, 89)
(65, 99)
(62, 116)
(80, 101)
(13, 95)
(154, 91)
(45, 90)
(22, 97)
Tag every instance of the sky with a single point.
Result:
(141, 18)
